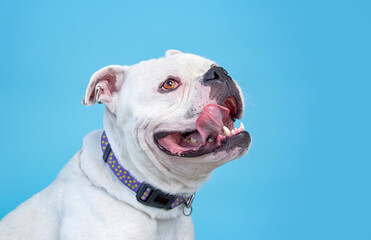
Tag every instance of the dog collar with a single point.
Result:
(145, 193)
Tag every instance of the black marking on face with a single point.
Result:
(221, 86)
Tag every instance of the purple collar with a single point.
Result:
(145, 193)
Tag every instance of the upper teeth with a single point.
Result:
(232, 102)
(193, 140)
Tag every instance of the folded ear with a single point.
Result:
(103, 84)
(171, 52)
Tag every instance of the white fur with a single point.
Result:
(87, 201)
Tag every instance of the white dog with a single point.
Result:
(168, 123)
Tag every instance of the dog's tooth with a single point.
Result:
(232, 102)
(241, 126)
(226, 131)
(233, 131)
(193, 140)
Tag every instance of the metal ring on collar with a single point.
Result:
(190, 209)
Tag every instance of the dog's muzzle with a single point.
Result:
(215, 129)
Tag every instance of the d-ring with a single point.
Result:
(190, 209)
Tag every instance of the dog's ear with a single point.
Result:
(172, 52)
(103, 84)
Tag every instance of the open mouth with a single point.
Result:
(215, 131)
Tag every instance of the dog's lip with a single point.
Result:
(241, 139)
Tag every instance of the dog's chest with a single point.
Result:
(101, 215)
(129, 223)
(134, 224)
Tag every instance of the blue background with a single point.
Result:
(304, 67)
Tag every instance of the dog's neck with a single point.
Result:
(145, 193)
(98, 174)
(133, 158)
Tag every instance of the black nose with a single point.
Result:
(216, 74)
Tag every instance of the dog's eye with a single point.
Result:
(170, 84)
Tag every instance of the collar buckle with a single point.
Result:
(150, 196)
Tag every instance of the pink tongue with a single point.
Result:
(210, 122)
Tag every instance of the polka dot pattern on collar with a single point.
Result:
(128, 180)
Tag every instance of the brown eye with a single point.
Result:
(169, 84)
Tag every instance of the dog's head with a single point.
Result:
(178, 112)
